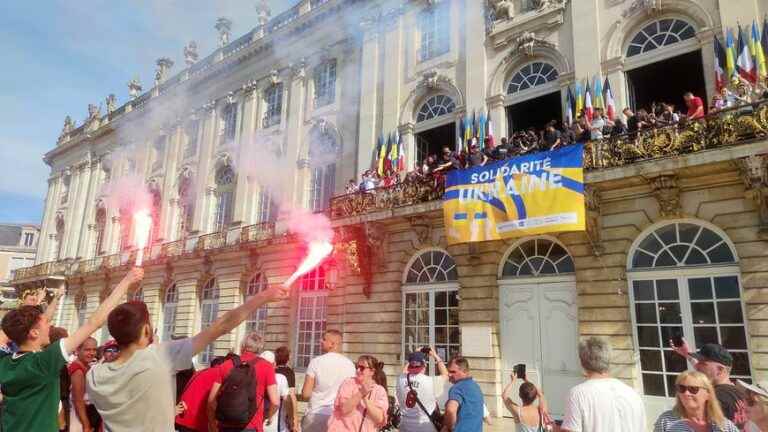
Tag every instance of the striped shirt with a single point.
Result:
(670, 422)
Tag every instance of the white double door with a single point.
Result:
(539, 327)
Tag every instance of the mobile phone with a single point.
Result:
(520, 370)
(677, 340)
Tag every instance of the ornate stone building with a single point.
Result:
(677, 218)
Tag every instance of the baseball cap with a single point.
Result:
(715, 353)
(756, 388)
(416, 359)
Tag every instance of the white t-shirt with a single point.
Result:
(139, 394)
(604, 405)
(329, 371)
(414, 419)
(282, 393)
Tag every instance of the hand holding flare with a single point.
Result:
(142, 223)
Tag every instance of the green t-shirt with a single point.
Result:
(30, 386)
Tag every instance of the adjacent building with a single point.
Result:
(18, 245)
(677, 218)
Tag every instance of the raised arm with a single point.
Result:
(441, 368)
(233, 318)
(99, 317)
(507, 399)
(54, 304)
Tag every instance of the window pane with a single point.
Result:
(700, 288)
(645, 313)
(727, 287)
(674, 361)
(643, 290)
(668, 332)
(665, 259)
(648, 337)
(721, 254)
(671, 385)
(740, 364)
(668, 234)
(651, 244)
(667, 289)
(705, 335)
(703, 313)
(653, 384)
(669, 313)
(695, 257)
(441, 317)
(733, 337)
(707, 239)
(688, 232)
(650, 360)
(729, 312)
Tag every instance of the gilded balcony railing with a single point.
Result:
(257, 232)
(212, 241)
(172, 249)
(384, 198)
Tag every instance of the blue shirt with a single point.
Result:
(470, 398)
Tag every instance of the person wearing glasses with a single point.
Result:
(361, 404)
(757, 407)
(696, 408)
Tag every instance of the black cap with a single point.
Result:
(715, 353)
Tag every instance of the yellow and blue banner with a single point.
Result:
(532, 194)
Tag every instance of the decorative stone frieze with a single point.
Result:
(434, 80)
(648, 6)
(754, 173)
(667, 193)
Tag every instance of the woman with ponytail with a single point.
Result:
(361, 403)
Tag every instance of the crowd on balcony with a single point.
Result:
(594, 125)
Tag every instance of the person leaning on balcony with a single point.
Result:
(30, 377)
(696, 407)
(695, 106)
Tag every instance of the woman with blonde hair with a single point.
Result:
(696, 408)
(361, 403)
(757, 407)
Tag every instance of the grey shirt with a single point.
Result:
(139, 394)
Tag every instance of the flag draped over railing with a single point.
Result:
(610, 103)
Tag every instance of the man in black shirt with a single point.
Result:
(552, 139)
(448, 161)
(476, 157)
(715, 362)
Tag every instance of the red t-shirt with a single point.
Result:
(77, 366)
(196, 397)
(265, 377)
(696, 104)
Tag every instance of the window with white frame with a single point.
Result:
(81, 308)
(209, 309)
(170, 305)
(256, 321)
(101, 227)
(538, 257)
(530, 76)
(431, 305)
(434, 31)
(435, 106)
(684, 281)
(273, 97)
(311, 316)
(324, 150)
(225, 197)
(321, 186)
(266, 209)
(325, 83)
(658, 34)
(229, 123)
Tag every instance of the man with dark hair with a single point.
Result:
(695, 106)
(30, 377)
(464, 409)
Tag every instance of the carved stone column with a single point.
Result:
(667, 193)
(755, 175)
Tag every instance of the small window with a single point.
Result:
(225, 197)
(101, 226)
(229, 126)
(530, 76)
(266, 208)
(209, 310)
(680, 245)
(538, 257)
(257, 321)
(273, 97)
(432, 267)
(170, 304)
(325, 83)
(434, 29)
(311, 316)
(435, 106)
(659, 34)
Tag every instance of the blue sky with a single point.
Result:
(61, 55)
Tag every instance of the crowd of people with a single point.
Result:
(134, 383)
(597, 126)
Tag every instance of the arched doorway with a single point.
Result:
(538, 316)
(533, 96)
(435, 126)
(684, 280)
(663, 61)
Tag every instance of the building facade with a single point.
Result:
(675, 243)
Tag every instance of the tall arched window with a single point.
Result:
(81, 307)
(538, 257)
(435, 106)
(257, 321)
(170, 304)
(431, 304)
(225, 197)
(186, 203)
(101, 226)
(311, 316)
(659, 34)
(684, 281)
(531, 75)
(325, 83)
(324, 150)
(273, 98)
(209, 309)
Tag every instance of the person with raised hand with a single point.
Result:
(30, 377)
(136, 391)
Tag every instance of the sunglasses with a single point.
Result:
(362, 367)
(681, 389)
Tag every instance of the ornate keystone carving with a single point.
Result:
(592, 201)
(667, 194)
(432, 80)
(502, 9)
(422, 232)
(190, 53)
(754, 172)
(527, 42)
(274, 77)
(649, 6)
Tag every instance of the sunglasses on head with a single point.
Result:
(681, 389)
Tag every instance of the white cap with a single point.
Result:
(268, 356)
(759, 389)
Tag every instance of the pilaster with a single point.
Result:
(244, 194)
(369, 90)
(294, 132)
(586, 24)
(392, 70)
(472, 16)
(202, 215)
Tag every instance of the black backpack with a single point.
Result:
(236, 402)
